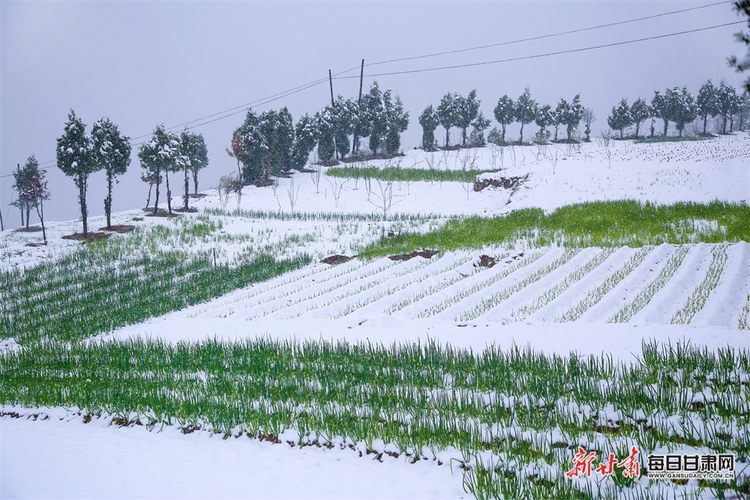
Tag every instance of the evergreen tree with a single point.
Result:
(251, 149)
(466, 111)
(23, 178)
(151, 164)
(374, 112)
(305, 138)
(639, 112)
(526, 109)
(479, 125)
(560, 114)
(620, 118)
(742, 7)
(743, 111)
(727, 103)
(397, 121)
(708, 104)
(284, 139)
(38, 193)
(196, 158)
(429, 122)
(167, 151)
(505, 114)
(344, 113)
(573, 116)
(111, 151)
(446, 113)
(75, 159)
(660, 109)
(326, 145)
(544, 118)
(684, 109)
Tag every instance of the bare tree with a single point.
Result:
(588, 118)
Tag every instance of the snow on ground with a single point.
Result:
(360, 302)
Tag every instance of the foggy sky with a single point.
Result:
(146, 63)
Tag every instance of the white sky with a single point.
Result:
(146, 63)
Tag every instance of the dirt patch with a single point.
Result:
(427, 254)
(502, 182)
(183, 210)
(118, 228)
(30, 229)
(86, 239)
(485, 261)
(160, 213)
(199, 195)
(336, 259)
(36, 244)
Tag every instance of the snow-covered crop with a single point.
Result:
(698, 298)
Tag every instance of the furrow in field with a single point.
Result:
(724, 297)
(626, 312)
(353, 283)
(620, 287)
(665, 303)
(391, 293)
(544, 292)
(446, 298)
(491, 300)
(282, 286)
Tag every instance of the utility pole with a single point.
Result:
(359, 107)
(333, 117)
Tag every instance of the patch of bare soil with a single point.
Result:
(30, 229)
(336, 259)
(426, 254)
(183, 210)
(199, 195)
(485, 261)
(86, 239)
(502, 182)
(118, 228)
(160, 213)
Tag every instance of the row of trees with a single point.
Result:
(679, 107)
(269, 143)
(79, 155)
(458, 111)
(167, 152)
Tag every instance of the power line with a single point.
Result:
(546, 54)
(550, 35)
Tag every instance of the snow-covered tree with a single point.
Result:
(505, 114)
(588, 118)
(397, 121)
(196, 158)
(639, 111)
(573, 117)
(305, 138)
(374, 111)
(708, 104)
(111, 151)
(22, 185)
(344, 111)
(446, 113)
(620, 118)
(683, 109)
(38, 193)
(167, 152)
(326, 130)
(726, 98)
(479, 125)
(544, 118)
(525, 112)
(742, 64)
(466, 111)
(743, 111)
(75, 159)
(429, 122)
(251, 150)
(283, 143)
(660, 109)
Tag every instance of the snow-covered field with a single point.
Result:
(590, 301)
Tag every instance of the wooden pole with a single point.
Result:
(335, 146)
(359, 105)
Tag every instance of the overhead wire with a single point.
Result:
(198, 122)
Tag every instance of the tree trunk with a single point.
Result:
(169, 193)
(84, 208)
(463, 137)
(40, 213)
(22, 220)
(666, 126)
(28, 211)
(156, 199)
(447, 131)
(705, 120)
(187, 189)
(195, 180)
(2, 226)
(148, 200)
(520, 141)
(637, 129)
(502, 137)
(108, 201)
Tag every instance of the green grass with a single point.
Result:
(398, 174)
(661, 138)
(525, 408)
(601, 224)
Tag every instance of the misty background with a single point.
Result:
(202, 64)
